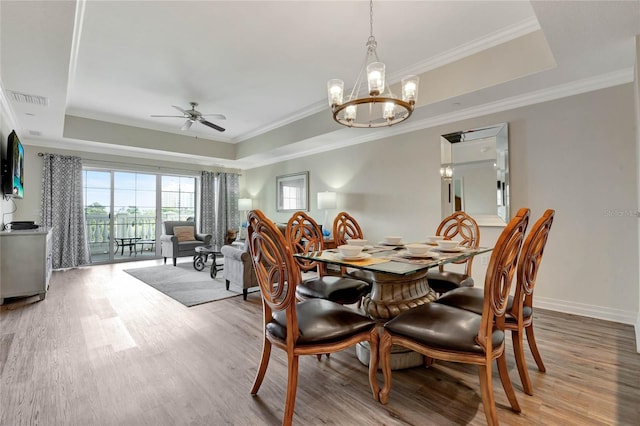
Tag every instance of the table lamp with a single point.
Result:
(327, 200)
(244, 205)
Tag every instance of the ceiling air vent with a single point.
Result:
(23, 98)
(35, 133)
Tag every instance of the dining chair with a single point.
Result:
(305, 237)
(519, 316)
(443, 332)
(310, 327)
(345, 227)
(459, 226)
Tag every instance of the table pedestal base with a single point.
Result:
(393, 294)
(390, 296)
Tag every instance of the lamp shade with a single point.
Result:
(245, 204)
(327, 200)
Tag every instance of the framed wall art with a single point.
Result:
(292, 192)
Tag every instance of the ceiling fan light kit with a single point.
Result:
(192, 115)
(377, 106)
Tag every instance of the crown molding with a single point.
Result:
(75, 48)
(478, 45)
(503, 35)
(614, 78)
(291, 118)
(348, 137)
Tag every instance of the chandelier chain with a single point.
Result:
(371, 19)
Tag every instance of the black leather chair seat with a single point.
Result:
(321, 321)
(442, 282)
(336, 289)
(472, 299)
(443, 327)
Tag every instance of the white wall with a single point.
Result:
(576, 155)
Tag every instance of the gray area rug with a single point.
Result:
(185, 284)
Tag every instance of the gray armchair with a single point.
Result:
(238, 269)
(171, 247)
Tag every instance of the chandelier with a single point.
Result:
(376, 106)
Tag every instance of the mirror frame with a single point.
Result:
(297, 180)
(448, 175)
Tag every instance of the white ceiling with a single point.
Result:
(264, 64)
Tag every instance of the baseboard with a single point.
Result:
(638, 333)
(592, 311)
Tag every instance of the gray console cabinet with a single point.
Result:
(25, 263)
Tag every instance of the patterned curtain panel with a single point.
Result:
(62, 209)
(219, 204)
(208, 203)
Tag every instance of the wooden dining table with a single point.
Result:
(399, 282)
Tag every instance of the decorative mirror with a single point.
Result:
(292, 192)
(474, 171)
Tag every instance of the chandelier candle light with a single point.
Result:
(377, 107)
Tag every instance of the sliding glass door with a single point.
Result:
(134, 214)
(97, 212)
(124, 211)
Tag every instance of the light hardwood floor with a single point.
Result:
(105, 349)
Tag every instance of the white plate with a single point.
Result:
(367, 247)
(400, 244)
(427, 255)
(451, 250)
(361, 256)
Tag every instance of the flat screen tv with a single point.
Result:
(13, 176)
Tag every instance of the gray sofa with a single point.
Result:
(238, 268)
(171, 247)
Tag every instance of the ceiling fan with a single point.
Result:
(192, 115)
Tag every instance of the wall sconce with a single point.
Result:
(327, 200)
(446, 172)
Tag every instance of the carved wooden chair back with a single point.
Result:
(304, 236)
(345, 227)
(276, 271)
(530, 259)
(460, 225)
(499, 276)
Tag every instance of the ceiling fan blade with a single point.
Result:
(177, 116)
(180, 109)
(213, 126)
(187, 124)
(218, 116)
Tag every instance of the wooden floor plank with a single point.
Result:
(106, 349)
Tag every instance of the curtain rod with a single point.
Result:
(41, 154)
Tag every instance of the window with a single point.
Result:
(292, 192)
(178, 198)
